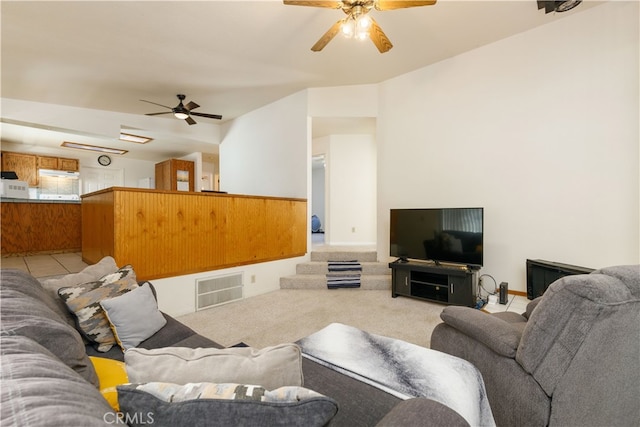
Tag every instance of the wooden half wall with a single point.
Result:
(172, 233)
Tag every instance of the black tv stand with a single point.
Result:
(448, 284)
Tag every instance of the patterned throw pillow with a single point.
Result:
(84, 302)
(170, 392)
(223, 405)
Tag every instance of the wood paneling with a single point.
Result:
(98, 227)
(30, 228)
(170, 233)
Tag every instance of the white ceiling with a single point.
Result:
(230, 57)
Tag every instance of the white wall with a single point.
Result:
(344, 101)
(177, 295)
(541, 129)
(351, 190)
(267, 151)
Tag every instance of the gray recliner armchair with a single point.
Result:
(572, 359)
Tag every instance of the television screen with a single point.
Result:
(441, 235)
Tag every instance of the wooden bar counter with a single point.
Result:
(31, 226)
(171, 233)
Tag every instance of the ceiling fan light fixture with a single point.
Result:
(362, 34)
(563, 6)
(557, 6)
(348, 27)
(180, 115)
(364, 22)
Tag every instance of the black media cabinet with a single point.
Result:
(541, 273)
(448, 285)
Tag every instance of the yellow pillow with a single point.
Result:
(111, 373)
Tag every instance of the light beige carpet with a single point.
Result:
(287, 315)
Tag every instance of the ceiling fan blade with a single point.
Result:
(155, 103)
(191, 106)
(327, 37)
(315, 3)
(190, 120)
(210, 116)
(155, 114)
(401, 4)
(379, 38)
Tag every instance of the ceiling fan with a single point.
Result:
(557, 6)
(358, 23)
(183, 112)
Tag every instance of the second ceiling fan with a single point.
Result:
(358, 23)
(183, 112)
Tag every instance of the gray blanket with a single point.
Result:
(402, 369)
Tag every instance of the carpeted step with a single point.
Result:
(319, 281)
(344, 255)
(322, 267)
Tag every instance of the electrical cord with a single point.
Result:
(481, 287)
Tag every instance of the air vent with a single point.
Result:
(218, 290)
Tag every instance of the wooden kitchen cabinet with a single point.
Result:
(31, 227)
(24, 165)
(58, 163)
(45, 162)
(69, 165)
(175, 175)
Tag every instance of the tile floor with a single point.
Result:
(515, 303)
(42, 266)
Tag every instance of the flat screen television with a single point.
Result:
(449, 235)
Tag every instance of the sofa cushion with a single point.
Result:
(172, 334)
(91, 273)
(134, 316)
(30, 286)
(270, 367)
(206, 404)
(38, 389)
(84, 301)
(23, 315)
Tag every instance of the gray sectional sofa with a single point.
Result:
(48, 379)
(572, 359)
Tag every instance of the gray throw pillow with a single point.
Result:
(224, 405)
(270, 367)
(134, 316)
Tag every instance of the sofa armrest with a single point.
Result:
(531, 306)
(491, 331)
(422, 412)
